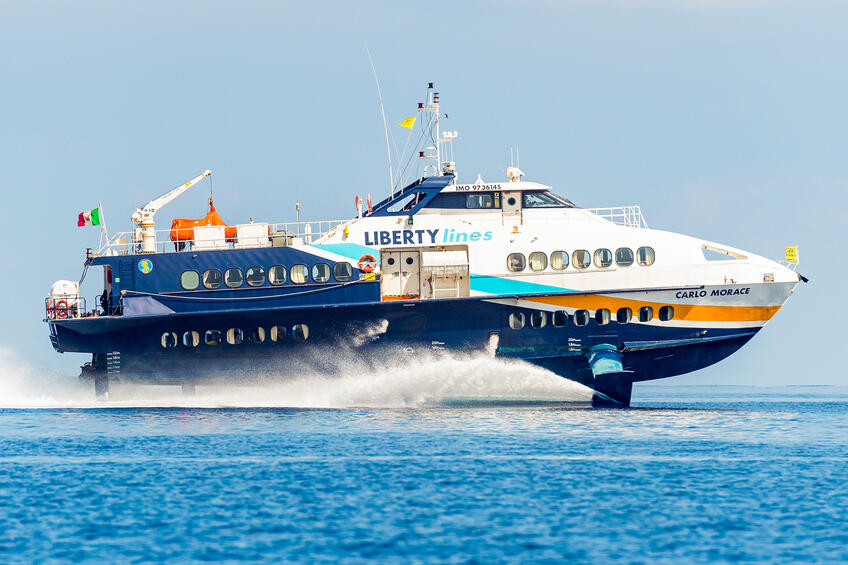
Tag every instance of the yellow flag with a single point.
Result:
(791, 254)
(407, 123)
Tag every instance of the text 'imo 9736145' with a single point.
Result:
(508, 267)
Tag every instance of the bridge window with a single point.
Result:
(516, 262)
(559, 260)
(478, 201)
(169, 340)
(255, 276)
(320, 272)
(257, 336)
(623, 315)
(277, 275)
(342, 272)
(516, 320)
(538, 261)
(300, 332)
(581, 259)
(538, 319)
(299, 274)
(212, 337)
(212, 278)
(191, 339)
(623, 256)
(233, 278)
(602, 316)
(235, 336)
(646, 314)
(559, 318)
(581, 318)
(278, 334)
(645, 256)
(603, 258)
(666, 313)
(190, 280)
(543, 199)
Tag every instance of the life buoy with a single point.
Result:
(51, 308)
(61, 309)
(367, 263)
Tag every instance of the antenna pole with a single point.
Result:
(385, 125)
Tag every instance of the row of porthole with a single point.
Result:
(559, 318)
(235, 336)
(581, 259)
(256, 276)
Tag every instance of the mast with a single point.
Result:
(432, 105)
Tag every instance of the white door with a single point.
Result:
(410, 273)
(390, 268)
(511, 206)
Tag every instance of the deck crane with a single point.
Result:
(145, 230)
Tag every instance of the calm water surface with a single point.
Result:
(693, 474)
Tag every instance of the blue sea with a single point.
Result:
(434, 469)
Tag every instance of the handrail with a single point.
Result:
(628, 216)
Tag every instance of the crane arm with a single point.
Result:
(147, 211)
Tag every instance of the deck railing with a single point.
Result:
(629, 216)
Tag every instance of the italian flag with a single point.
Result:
(90, 218)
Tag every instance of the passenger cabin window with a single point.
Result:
(559, 318)
(233, 278)
(559, 260)
(581, 259)
(342, 272)
(544, 199)
(212, 278)
(191, 339)
(538, 319)
(257, 336)
(623, 256)
(603, 258)
(169, 340)
(516, 320)
(320, 272)
(277, 275)
(646, 314)
(538, 261)
(666, 313)
(515, 262)
(299, 274)
(235, 336)
(300, 332)
(581, 318)
(623, 315)
(212, 337)
(255, 276)
(478, 201)
(602, 316)
(190, 280)
(278, 334)
(645, 256)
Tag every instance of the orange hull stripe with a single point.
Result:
(690, 312)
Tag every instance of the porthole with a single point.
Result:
(233, 278)
(320, 272)
(623, 256)
(646, 314)
(190, 280)
(277, 275)
(409, 260)
(559, 318)
(581, 317)
(538, 261)
(515, 262)
(603, 258)
(169, 340)
(235, 336)
(602, 316)
(191, 339)
(538, 319)
(256, 336)
(299, 274)
(300, 332)
(212, 278)
(666, 313)
(581, 259)
(255, 276)
(278, 334)
(212, 337)
(623, 315)
(516, 320)
(559, 260)
(511, 201)
(390, 261)
(645, 256)
(342, 272)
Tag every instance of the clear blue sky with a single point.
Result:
(722, 119)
